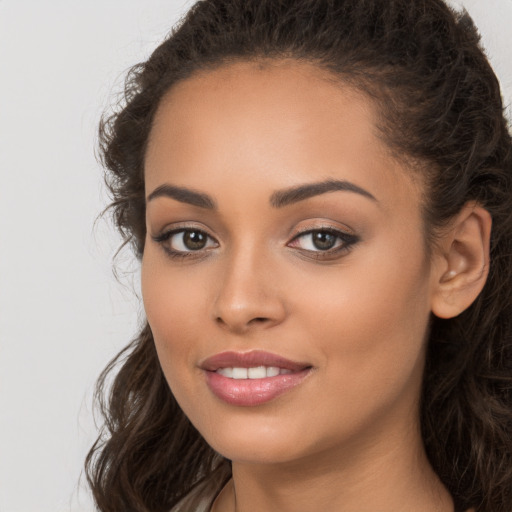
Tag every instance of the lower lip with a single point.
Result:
(251, 392)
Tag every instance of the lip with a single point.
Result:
(250, 359)
(252, 392)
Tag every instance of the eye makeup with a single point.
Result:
(319, 243)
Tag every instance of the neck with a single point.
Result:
(377, 474)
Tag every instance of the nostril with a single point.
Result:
(253, 321)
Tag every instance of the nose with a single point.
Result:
(248, 295)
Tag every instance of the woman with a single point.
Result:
(310, 186)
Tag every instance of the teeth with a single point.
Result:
(272, 371)
(257, 372)
(240, 373)
(227, 372)
(260, 372)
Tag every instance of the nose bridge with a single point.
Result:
(247, 295)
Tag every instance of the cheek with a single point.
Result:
(174, 306)
(371, 320)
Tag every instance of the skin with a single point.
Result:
(347, 438)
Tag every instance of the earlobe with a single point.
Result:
(461, 261)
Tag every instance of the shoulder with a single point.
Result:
(198, 500)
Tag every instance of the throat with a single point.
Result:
(291, 489)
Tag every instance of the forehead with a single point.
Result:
(283, 84)
(255, 93)
(283, 121)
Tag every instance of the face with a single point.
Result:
(282, 237)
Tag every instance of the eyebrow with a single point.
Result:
(183, 195)
(278, 199)
(300, 193)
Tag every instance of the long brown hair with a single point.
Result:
(440, 110)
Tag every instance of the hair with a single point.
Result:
(440, 110)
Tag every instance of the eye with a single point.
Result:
(323, 241)
(183, 242)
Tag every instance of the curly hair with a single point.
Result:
(441, 111)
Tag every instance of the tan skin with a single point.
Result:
(347, 438)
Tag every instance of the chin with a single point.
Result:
(254, 439)
(259, 450)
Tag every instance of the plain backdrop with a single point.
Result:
(63, 315)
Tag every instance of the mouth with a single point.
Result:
(251, 361)
(252, 378)
(254, 372)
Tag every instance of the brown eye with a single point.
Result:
(323, 241)
(185, 241)
(194, 240)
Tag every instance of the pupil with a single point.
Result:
(323, 240)
(194, 240)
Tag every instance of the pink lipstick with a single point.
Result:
(252, 378)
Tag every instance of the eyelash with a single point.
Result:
(347, 241)
(177, 254)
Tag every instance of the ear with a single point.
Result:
(461, 261)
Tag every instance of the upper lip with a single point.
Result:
(250, 360)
